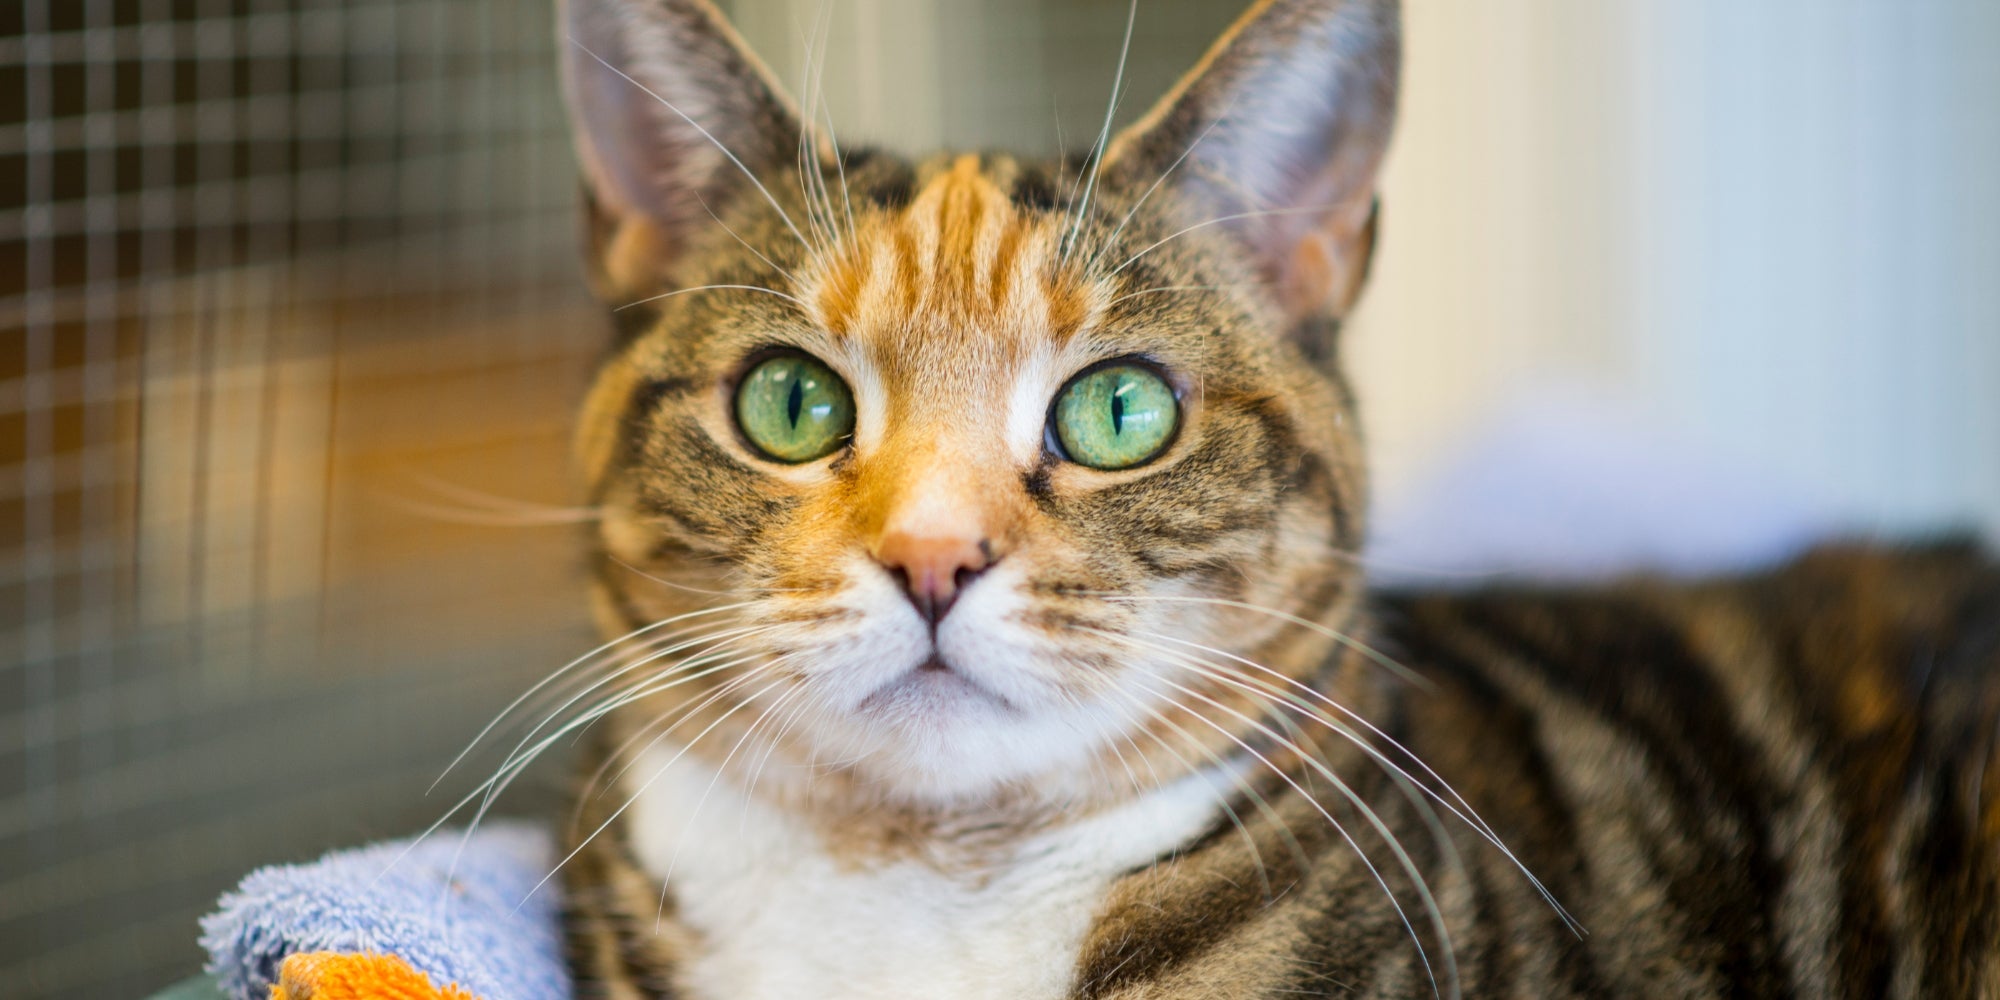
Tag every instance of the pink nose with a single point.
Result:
(932, 569)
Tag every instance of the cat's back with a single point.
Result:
(1770, 785)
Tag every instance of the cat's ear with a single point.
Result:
(672, 115)
(1283, 125)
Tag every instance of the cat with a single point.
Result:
(978, 553)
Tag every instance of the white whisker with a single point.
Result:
(840, 165)
(1405, 861)
(1256, 798)
(620, 811)
(771, 746)
(565, 668)
(735, 592)
(518, 759)
(1375, 656)
(487, 791)
(1268, 695)
(768, 262)
(1112, 239)
(1104, 134)
(1169, 288)
(673, 861)
(480, 507)
(795, 300)
(688, 712)
(517, 765)
(714, 643)
(812, 114)
(1463, 810)
(1129, 261)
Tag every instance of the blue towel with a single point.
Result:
(488, 929)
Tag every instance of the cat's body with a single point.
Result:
(979, 539)
(1773, 786)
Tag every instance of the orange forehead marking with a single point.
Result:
(960, 256)
(960, 216)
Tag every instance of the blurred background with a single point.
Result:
(291, 331)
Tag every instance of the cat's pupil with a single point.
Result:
(795, 402)
(1118, 411)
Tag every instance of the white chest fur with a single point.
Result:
(783, 920)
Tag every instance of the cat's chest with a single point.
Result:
(780, 916)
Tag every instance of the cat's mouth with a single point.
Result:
(932, 685)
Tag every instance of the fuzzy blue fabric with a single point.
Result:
(470, 916)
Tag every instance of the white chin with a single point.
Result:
(928, 695)
(935, 736)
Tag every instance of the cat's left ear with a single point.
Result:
(1279, 132)
(672, 115)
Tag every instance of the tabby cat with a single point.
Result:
(979, 543)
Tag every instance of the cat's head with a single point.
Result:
(992, 466)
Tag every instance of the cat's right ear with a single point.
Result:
(673, 116)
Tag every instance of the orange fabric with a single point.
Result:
(326, 975)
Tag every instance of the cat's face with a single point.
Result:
(986, 460)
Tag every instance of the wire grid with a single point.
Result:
(269, 270)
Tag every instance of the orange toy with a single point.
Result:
(326, 975)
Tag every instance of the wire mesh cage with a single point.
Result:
(289, 333)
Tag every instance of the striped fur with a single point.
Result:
(1165, 744)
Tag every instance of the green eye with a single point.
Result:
(794, 409)
(1116, 417)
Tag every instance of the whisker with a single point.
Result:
(1469, 816)
(1103, 134)
(516, 766)
(714, 642)
(812, 114)
(1408, 864)
(665, 724)
(1111, 240)
(1250, 792)
(609, 670)
(802, 156)
(771, 747)
(620, 811)
(1375, 656)
(1271, 697)
(735, 592)
(667, 877)
(1261, 213)
(1463, 810)
(1131, 776)
(768, 262)
(1170, 288)
(486, 792)
(730, 688)
(565, 668)
(811, 177)
(795, 300)
(481, 507)
(557, 517)
(840, 165)
(518, 759)
(1403, 778)
(1221, 765)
